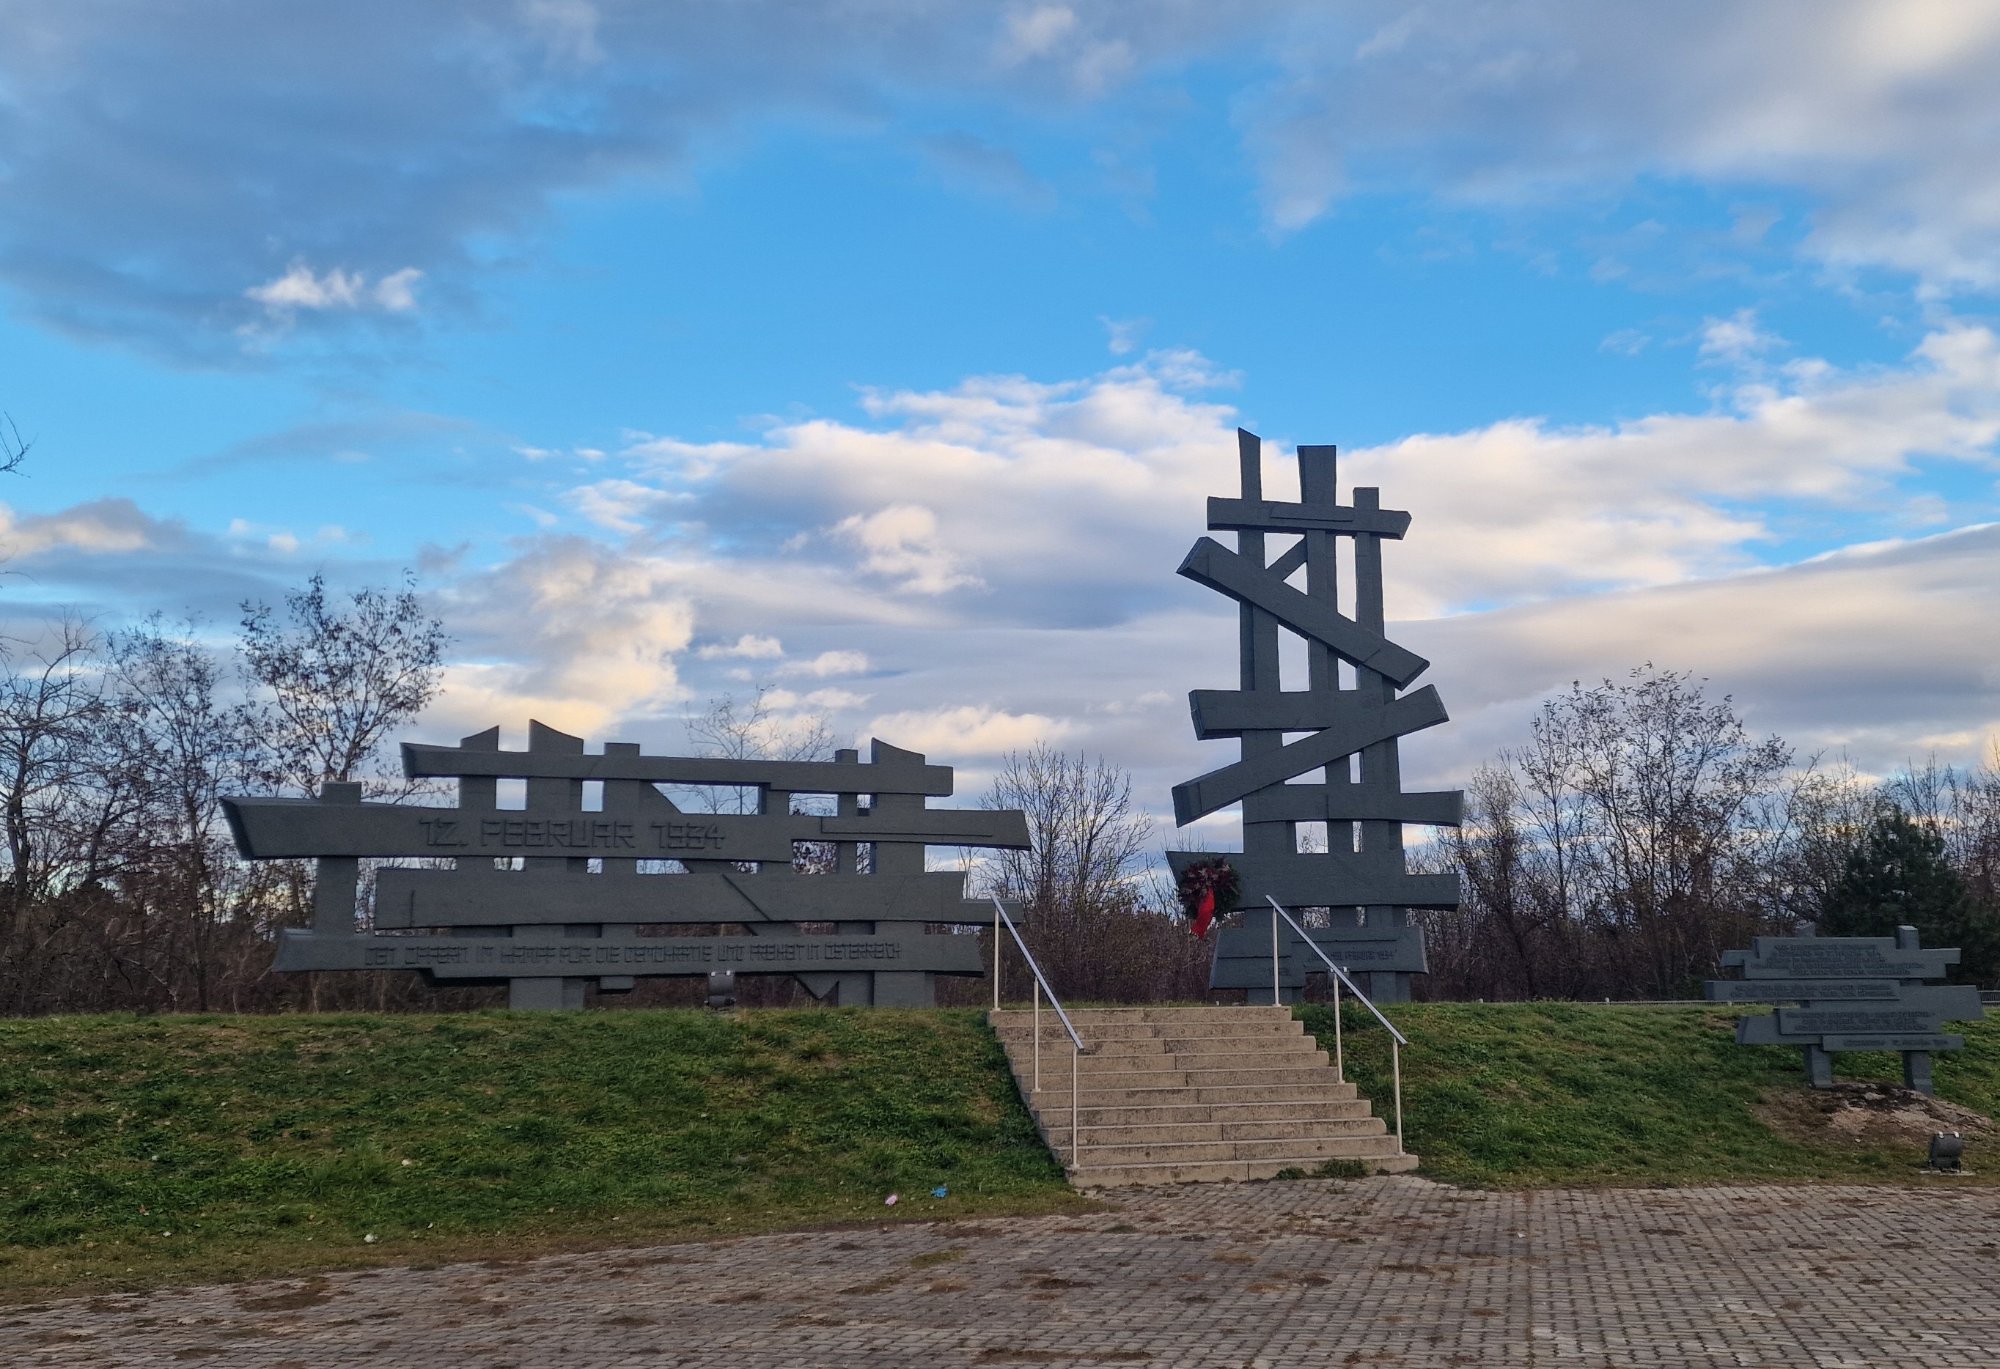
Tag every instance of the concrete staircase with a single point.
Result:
(1183, 1095)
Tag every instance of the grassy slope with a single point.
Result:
(276, 1145)
(269, 1145)
(1526, 1094)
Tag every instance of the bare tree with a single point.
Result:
(13, 450)
(182, 748)
(336, 682)
(1637, 835)
(1512, 916)
(1093, 919)
(51, 711)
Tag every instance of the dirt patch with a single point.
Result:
(1886, 1116)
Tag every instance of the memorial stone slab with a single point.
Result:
(1853, 993)
(1344, 773)
(550, 897)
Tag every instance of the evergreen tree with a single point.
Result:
(1897, 876)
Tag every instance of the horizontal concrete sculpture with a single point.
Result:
(488, 958)
(1360, 876)
(550, 897)
(1241, 964)
(1854, 993)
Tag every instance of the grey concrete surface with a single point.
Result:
(1383, 1271)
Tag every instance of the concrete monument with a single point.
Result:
(1346, 758)
(555, 895)
(1854, 993)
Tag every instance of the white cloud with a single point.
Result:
(901, 544)
(748, 647)
(1883, 114)
(1035, 32)
(1736, 339)
(102, 527)
(1122, 335)
(1880, 652)
(827, 663)
(299, 288)
(622, 505)
(967, 730)
(571, 632)
(284, 542)
(1521, 510)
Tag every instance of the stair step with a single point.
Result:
(1217, 1171)
(1160, 1012)
(1302, 1054)
(1101, 1047)
(1097, 1033)
(1097, 1080)
(1289, 1131)
(1316, 1149)
(1054, 1113)
(1182, 1095)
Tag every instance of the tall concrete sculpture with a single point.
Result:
(1854, 993)
(1347, 757)
(552, 896)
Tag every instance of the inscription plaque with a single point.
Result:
(1348, 754)
(1856, 993)
(549, 898)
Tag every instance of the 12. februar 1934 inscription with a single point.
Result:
(570, 835)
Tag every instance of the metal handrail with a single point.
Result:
(1396, 1039)
(1077, 1050)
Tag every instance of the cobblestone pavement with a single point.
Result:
(1386, 1271)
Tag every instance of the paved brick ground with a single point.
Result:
(1388, 1271)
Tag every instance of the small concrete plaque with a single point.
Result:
(1833, 957)
(1243, 954)
(1796, 990)
(1855, 994)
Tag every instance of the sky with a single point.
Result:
(880, 354)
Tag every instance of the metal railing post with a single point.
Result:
(1339, 1054)
(1038, 1036)
(1076, 1117)
(1396, 1064)
(1274, 959)
(996, 955)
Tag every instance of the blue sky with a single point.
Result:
(881, 353)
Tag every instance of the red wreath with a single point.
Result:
(1208, 889)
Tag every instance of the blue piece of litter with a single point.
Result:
(940, 1192)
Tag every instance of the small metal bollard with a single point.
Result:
(1947, 1151)
(721, 989)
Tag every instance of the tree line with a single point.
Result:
(121, 888)
(1641, 831)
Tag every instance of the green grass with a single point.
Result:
(140, 1150)
(1546, 1094)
